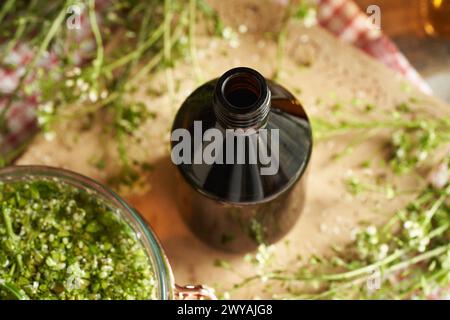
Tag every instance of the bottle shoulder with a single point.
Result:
(287, 138)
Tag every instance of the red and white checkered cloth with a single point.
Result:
(21, 116)
(341, 17)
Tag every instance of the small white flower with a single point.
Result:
(408, 224)
(354, 233)
(371, 230)
(416, 232)
(49, 136)
(400, 153)
(243, 28)
(80, 82)
(422, 155)
(439, 177)
(384, 248)
(47, 107)
(8, 83)
(183, 40)
(310, 19)
(227, 33)
(425, 241)
(84, 87)
(93, 96)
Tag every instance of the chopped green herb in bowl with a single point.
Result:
(63, 236)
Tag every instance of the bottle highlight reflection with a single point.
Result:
(244, 197)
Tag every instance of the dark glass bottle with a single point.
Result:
(250, 190)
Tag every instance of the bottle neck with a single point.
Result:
(242, 99)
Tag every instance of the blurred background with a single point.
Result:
(421, 30)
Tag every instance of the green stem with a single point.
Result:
(132, 59)
(10, 156)
(432, 211)
(152, 63)
(120, 88)
(6, 8)
(281, 42)
(357, 141)
(364, 270)
(358, 275)
(23, 22)
(120, 136)
(345, 275)
(407, 294)
(13, 290)
(11, 235)
(167, 31)
(421, 200)
(397, 267)
(281, 48)
(8, 223)
(136, 53)
(212, 14)
(42, 48)
(192, 42)
(332, 129)
(89, 109)
(419, 258)
(168, 48)
(98, 61)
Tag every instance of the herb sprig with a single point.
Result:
(151, 37)
(408, 257)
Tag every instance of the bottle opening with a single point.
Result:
(242, 90)
(242, 99)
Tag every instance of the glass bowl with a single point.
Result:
(166, 287)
